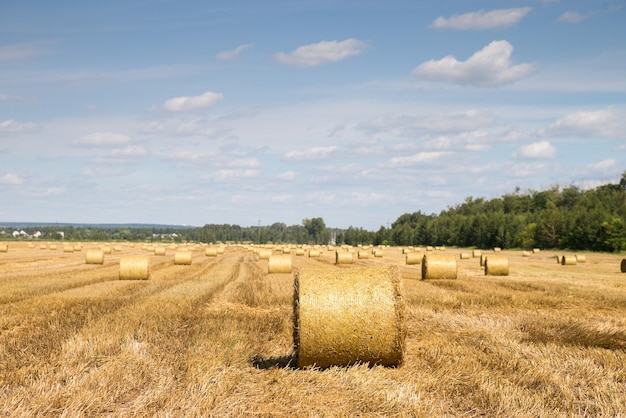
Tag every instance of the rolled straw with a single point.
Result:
(182, 258)
(497, 265)
(343, 257)
(279, 264)
(94, 257)
(414, 258)
(134, 267)
(439, 266)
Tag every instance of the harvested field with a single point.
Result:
(215, 339)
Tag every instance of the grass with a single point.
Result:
(215, 339)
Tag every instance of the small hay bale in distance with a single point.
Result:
(623, 265)
(363, 255)
(4, 248)
(464, 256)
(314, 253)
(134, 267)
(265, 254)
(476, 253)
(94, 257)
(279, 264)
(580, 258)
(344, 257)
(536, 250)
(378, 253)
(439, 266)
(568, 260)
(414, 258)
(211, 252)
(483, 259)
(182, 258)
(497, 249)
(159, 251)
(526, 253)
(68, 249)
(497, 265)
(349, 316)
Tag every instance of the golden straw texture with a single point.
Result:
(580, 258)
(439, 266)
(414, 258)
(476, 253)
(134, 267)
(182, 258)
(94, 257)
(363, 254)
(314, 253)
(343, 257)
(568, 260)
(4, 248)
(211, 252)
(265, 254)
(348, 316)
(279, 264)
(159, 250)
(464, 256)
(497, 265)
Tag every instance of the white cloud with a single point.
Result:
(12, 126)
(225, 175)
(287, 175)
(187, 103)
(495, 19)
(489, 67)
(572, 17)
(11, 179)
(419, 158)
(321, 53)
(231, 55)
(542, 149)
(130, 151)
(24, 50)
(314, 153)
(102, 139)
(603, 166)
(607, 123)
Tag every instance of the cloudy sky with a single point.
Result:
(194, 112)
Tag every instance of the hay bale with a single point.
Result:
(279, 264)
(78, 247)
(43, 246)
(4, 248)
(314, 253)
(286, 250)
(94, 257)
(568, 260)
(349, 316)
(378, 253)
(497, 249)
(526, 253)
(68, 249)
(464, 256)
(623, 265)
(476, 253)
(580, 258)
(106, 249)
(429, 248)
(210, 252)
(220, 250)
(439, 266)
(414, 258)
(483, 259)
(265, 254)
(134, 267)
(182, 258)
(344, 257)
(536, 250)
(159, 251)
(53, 247)
(299, 251)
(497, 265)
(363, 255)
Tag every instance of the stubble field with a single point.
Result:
(214, 338)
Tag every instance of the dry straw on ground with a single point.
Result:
(414, 258)
(134, 267)
(182, 258)
(279, 264)
(439, 266)
(348, 316)
(343, 257)
(94, 257)
(497, 265)
(568, 260)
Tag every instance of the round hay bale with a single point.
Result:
(279, 264)
(536, 250)
(429, 248)
(43, 246)
(299, 251)
(477, 253)
(53, 247)
(314, 253)
(286, 250)
(220, 250)
(159, 250)
(363, 255)
(344, 257)
(414, 258)
(106, 249)
(568, 260)
(265, 254)
(94, 257)
(526, 253)
(4, 248)
(349, 316)
(211, 252)
(497, 265)
(182, 258)
(497, 249)
(580, 258)
(68, 249)
(134, 267)
(439, 266)
(378, 253)
(464, 256)
(623, 265)
(483, 259)
(78, 247)
(31, 245)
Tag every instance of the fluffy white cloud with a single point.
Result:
(419, 158)
(231, 55)
(603, 166)
(187, 103)
(12, 126)
(572, 17)
(542, 149)
(321, 53)
(11, 179)
(489, 67)
(606, 123)
(495, 19)
(314, 153)
(102, 139)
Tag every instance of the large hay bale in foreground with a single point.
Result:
(623, 265)
(568, 260)
(414, 258)
(348, 316)
(182, 258)
(94, 257)
(134, 267)
(439, 266)
(279, 264)
(497, 265)
(344, 257)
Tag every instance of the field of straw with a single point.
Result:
(215, 338)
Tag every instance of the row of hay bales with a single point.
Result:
(444, 266)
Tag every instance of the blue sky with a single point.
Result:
(194, 112)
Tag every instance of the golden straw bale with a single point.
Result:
(414, 258)
(265, 254)
(106, 249)
(43, 246)
(4, 248)
(429, 248)
(94, 257)
(134, 267)
(477, 253)
(53, 247)
(439, 266)
(117, 248)
(497, 265)
(68, 249)
(78, 247)
(349, 316)
(536, 250)
(279, 264)
(464, 256)
(211, 252)
(623, 265)
(314, 253)
(497, 249)
(580, 258)
(220, 250)
(483, 259)
(363, 255)
(286, 250)
(159, 250)
(568, 260)
(31, 245)
(526, 253)
(344, 257)
(300, 251)
(182, 258)
(378, 253)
